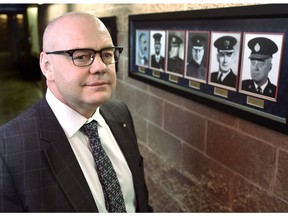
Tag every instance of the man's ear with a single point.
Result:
(270, 67)
(45, 66)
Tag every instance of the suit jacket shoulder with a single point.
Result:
(117, 111)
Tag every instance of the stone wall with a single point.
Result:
(197, 159)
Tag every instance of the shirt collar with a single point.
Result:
(70, 120)
(223, 74)
(262, 86)
(97, 117)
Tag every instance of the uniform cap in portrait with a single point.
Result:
(225, 44)
(262, 48)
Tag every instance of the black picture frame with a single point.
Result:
(248, 24)
(111, 25)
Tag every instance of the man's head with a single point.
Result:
(174, 42)
(157, 42)
(83, 88)
(262, 50)
(143, 43)
(225, 47)
(198, 48)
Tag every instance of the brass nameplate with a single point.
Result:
(173, 78)
(194, 84)
(156, 73)
(221, 92)
(141, 69)
(255, 102)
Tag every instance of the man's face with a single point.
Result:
(157, 46)
(81, 88)
(260, 70)
(225, 60)
(197, 54)
(174, 50)
(143, 44)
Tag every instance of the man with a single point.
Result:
(225, 54)
(157, 61)
(175, 63)
(143, 49)
(196, 67)
(262, 50)
(46, 164)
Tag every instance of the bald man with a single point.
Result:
(46, 161)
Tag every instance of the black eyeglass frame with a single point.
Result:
(70, 53)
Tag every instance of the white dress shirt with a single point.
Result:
(262, 87)
(71, 122)
(223, 75)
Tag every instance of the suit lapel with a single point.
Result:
(121, 125)
(124, 138)
(63, 162)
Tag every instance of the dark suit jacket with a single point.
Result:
(230, 79)
(176, 65)
(39, 171)
(196, 70)
(155, 64)
(270, 90)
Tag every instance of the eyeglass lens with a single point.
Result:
(86, 57)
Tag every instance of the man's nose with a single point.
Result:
(97, 65)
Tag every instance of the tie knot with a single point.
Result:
(89, 129)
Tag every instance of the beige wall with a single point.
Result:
(197, 159)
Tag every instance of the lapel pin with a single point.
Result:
(124, 125)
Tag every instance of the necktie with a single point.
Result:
(114, 200)
(220, 77)
(259, 90)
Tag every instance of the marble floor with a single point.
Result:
(16, 92)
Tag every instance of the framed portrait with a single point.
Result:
(197, 50)
(175, 48)
(157, 50)
(262, 57)
(244, 59)
(224, 59)
(142, 48)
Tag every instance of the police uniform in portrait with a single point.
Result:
(225, 45)
(175, 63)
(194, 68)
(157, 61)
(261, 50)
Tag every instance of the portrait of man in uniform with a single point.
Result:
(261, 68)
(142, 45)
(227, 60)
(196, 63)
(175, 52)
(157, 50)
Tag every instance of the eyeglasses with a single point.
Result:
(85, 57)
